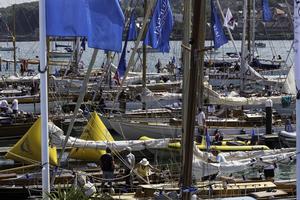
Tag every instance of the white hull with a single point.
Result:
(134, 130)
(288, 139)
(130, 130)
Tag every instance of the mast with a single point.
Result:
(253, 27)
(249, 29)
(76, 43)
(243, 50)
(144, 58)
(44, 100)
(186, 56)
(227, 28)
(14, 38)
(297, 78)
(108, 66)
(198, 39)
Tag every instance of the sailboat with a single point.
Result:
(254, 75)
(187, 141)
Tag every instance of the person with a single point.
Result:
(107, 165)
(171, 67)
(254, 138)
(144, 170)
(34, 88)
(211, 109)
(269, 170)
(219, 157)
(279, 57)
(102, 105)
(158, 66)
(288, 126)
(218, 137)
(201, 121)
(274, 58)
(122, 101)
(3, 106)
(15, 106)
(130, 163)
(22, 70)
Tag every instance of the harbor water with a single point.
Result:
(30, 50)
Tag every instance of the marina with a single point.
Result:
(109, 103)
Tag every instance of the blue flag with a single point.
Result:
(122, 63)
(132, 35)
(160, 27)
(101, 21)
(66, 18)
(218, 33)
(105, 23)
(267, 15)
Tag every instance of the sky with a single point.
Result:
(5, 3)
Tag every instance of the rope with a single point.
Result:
(115, 152)
(79, 101)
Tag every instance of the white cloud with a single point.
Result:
(5, 3)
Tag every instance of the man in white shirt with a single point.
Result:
(130, 164)
(15, 106)
(201, 121)
(220, 158)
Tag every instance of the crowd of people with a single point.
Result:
(171, 67)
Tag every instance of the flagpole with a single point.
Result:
(253, 27)
(297, 78)
(228, 29)
(243, 50)
(44, 100)
(144, 58)
(132, 56)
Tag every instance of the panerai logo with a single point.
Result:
(161, 20)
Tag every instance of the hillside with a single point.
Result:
(27, 19)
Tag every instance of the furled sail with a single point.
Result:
(237, 161)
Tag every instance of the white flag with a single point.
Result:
(229, 21)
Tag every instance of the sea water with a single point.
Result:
(30, 50)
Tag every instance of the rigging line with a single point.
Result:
(79, 101)
(127, 26)
(116, 152)
(131, 59)
(271, 43)
(73, 143)
(28, 22)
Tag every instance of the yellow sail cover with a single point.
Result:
(28, 148)
(96, 131)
